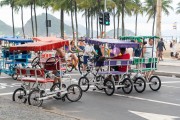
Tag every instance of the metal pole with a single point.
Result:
(103, 20)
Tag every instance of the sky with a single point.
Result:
(144, 28)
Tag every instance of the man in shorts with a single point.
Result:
(160, 47)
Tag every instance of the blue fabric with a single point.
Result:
(16, 40)
(85, 59)
(81, 47)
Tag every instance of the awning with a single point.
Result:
(112, 43)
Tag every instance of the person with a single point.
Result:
(137, 51)
(171, 48)
(174, 48)
(130, 50)
(98, 56)
(59, 54)
(81, 43)
(160, 47)
(71, 53)
(88, 52)
(149, 51)
(123, 55)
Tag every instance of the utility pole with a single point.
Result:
(104, 24)
(158, 18)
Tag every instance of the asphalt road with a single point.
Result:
(96, 105)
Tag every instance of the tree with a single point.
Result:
(11, 3)
(150, 9)
(19, 5)
(178, 9)
(138, 9)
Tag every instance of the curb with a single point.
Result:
(169, 74)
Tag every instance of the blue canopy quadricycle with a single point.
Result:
(10, 60)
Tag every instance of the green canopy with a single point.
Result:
(138, 38)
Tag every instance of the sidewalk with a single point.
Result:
(10, 110)
(169, 67)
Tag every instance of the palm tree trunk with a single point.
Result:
(154, 20)
(114, 16)
(47, 30)
(91, 26)
(32, 25)
(97, 22)
(75, 4)
(62, 24)
(136, 25)
(22, 21)
(86, 22)
(123, 29)
(72, 22)
(118, 25)
(35, 18)
(12, 8)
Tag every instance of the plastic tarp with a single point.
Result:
(113, 43)
(15, 40)
(40, 46)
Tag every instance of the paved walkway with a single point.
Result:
(10, 110)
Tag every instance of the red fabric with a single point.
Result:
(124, 56)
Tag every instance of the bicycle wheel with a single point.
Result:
(128, 86)
(14, 76)
(155, 83)
(84, 83)
(74, 93)
(33, 98)
(109, 87)
(56, 87)
(35, 62)
(99, 79)
(19, 95)
(139, 84)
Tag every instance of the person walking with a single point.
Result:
(160, 47)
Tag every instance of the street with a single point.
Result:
(96, 105)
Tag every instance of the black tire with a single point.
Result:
(56, 86)
(32, 100)
(155, 81)
(109, 87)
(84, 83)
(35, 62)
(128, 86)
(14, 76)
(98, 79)
(140, 84)
(21, 98)
(73, 90)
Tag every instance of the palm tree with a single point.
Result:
(45, 4)
(11, 3)
(18, 3)
(151, 9)
(124, 7)
(178, 8)
(138, 9)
